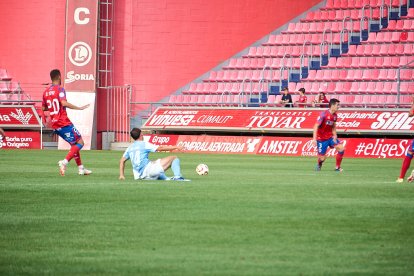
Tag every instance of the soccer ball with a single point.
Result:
(202, 169)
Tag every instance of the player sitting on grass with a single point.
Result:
(142, 167)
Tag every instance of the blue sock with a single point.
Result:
(175, 167)
(162, 176)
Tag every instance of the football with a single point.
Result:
(202, 169)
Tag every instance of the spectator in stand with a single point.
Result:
(286, 100)
(407, 159)
(302, 98)
(321, 100)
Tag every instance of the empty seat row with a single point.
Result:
(207, 100)
(340, 62)
(4, 75)
(260, 63)
(355, 14)
(337, 26)
(360, 74)
(229, 87)
(391, 37)
(282, 50)
(381, 49)
(338, 87)
(13, 99)
(359, 87)
(369, 62)
(352, 4)
(319, 27)
(245, 75)
(241, 75)
(9, 87)
(317, 38)
(354, 50)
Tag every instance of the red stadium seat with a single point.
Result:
(406, 74)
(4, 88)
(4, 75)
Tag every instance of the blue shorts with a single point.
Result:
(323, 145)
(411, 147)
(69, 133)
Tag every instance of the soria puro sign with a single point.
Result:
(22, 124)
(278, 120)
(282, 146)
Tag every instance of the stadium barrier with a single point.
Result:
(378, 122)
(282, 146)
(24, 127)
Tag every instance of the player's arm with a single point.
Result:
(122, 168)
(72, 106)
(44, 105)
(334, 134)
(411, 112)
(315, 133)
(170, 148)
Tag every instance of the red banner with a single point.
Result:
(20, 140)
(283, 146)
(19, 117)
(80, 55)
(277, 120)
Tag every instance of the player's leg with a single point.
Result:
(71, 135)
(322, 146)
(172, 162)
(339, 156)
(77, 156)
(406, 164)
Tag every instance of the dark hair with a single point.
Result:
(135, 133)
(285, 88)
(54, 74)
(333, 102)
(302, 90)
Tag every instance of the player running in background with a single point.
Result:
(54, 101)
(142, 167)
(324, 135)
(407, 159)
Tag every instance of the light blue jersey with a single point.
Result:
(138, 153)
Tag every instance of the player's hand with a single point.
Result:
(180, 148)
(84, 107)
(121, 177)
(314, 143)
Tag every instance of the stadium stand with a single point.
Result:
(11, 92)
(358, 50)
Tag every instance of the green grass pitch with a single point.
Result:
(252, 215)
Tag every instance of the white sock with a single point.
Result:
(65, 162)
(81, 167)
